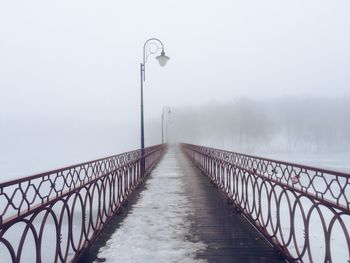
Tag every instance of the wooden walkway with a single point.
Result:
(227, 235)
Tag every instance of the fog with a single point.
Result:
(252, 76)
(294, 124)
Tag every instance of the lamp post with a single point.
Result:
(151, 46)
(165, 109)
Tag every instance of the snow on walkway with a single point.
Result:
(156, 228)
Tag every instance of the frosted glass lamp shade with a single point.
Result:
(162, 59)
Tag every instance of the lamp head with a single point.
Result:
(162, 59)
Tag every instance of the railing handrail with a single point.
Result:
(295, 164)
(341, 202)
(135, 153)
(287, 186)
(9, 220)
(42, 174)
(96, 188)
(279, 209)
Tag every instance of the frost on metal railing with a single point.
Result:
(67, 207)
(303, 211)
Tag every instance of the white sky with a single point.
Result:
(76, 62)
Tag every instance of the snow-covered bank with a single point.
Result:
(156, 228)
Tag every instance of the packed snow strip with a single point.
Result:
(156, 228)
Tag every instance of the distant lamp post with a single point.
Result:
(151, 46)
(166, 109)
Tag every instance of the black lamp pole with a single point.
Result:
(150, 47)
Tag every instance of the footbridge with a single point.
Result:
(184, 203)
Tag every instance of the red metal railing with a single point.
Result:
(304, 212)
(56, 216)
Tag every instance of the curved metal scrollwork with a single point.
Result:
(303, 211)
(56, 216)
(148, 48)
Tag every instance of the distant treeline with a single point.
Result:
(280, 124)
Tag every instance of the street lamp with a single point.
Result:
(151, 46)
(165, 109)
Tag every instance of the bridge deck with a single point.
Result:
(181, 217)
